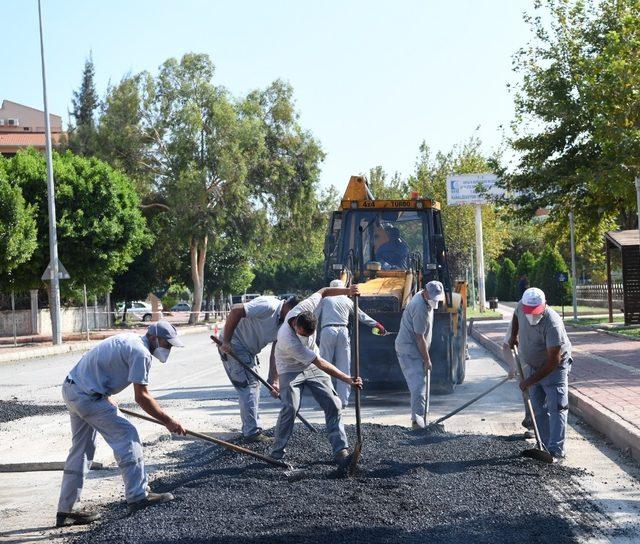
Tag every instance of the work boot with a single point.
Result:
(417, 424)
(149, 500)
(529, 434)
(79, 517)
(343, 459)
(259, 438)
(527, 423)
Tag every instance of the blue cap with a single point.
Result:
(164, 329)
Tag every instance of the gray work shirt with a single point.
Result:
(417, 318)
(113, 364)
(338, 310)
(293, 354)
(534, 340)
(260, 326)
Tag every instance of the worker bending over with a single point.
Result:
(299, 366)
(335, 345)
(248, 329)
(105, 370)
(412, 346)
(545, 348)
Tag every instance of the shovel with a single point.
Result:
(217, 441)
(540, 452)
(262, 381)
(437, 426)
(356, 344)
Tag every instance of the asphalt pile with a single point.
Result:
(10, 410)
(410, 488)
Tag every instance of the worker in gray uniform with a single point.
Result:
(412, 346)
(545, 347)
(299, 366)
(103, 371)
(248, 329)
(335, 345)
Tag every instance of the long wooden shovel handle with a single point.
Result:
(356, 341)
(475, 399)
(223, 443)
(261, 380)
(527, 401)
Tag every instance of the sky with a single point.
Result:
(372, 79)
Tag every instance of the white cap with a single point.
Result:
(533, 301)
(435, 291)
(336, 283)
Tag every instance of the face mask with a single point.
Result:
(303, 339)
(534, 319)
(433, 304)
(162, 354)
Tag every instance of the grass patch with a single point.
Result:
(487, 313)
(630, 332)
(594, 320)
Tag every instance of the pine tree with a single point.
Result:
(82, 137)
(507, 280)
(491, 284)
(545, 277)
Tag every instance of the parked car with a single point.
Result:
(181, 307)
(285, 296)
(137, 310)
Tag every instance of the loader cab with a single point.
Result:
(392, 249)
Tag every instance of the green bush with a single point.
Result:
(507, 280)
(545, 277)
(491, 284)
(526, 265)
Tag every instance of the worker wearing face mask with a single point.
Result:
(544, 346)
(412, 346)
(105, 370)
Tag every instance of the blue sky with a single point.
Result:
(372, 79)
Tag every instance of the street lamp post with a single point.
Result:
(53, 237)
(574, 278)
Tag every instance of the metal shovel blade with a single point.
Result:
(539, 455)
(355, 457)
(435, 428)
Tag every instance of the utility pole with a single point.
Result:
(53, 237)
(574, 278)
(473, 284)
(480, 259)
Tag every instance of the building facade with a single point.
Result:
(22, 127)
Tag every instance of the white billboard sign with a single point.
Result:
(472, 188)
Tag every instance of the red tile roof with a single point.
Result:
(25, 139)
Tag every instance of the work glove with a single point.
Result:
(381, 329)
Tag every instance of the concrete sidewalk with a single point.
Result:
(41, 346)
(604, 380)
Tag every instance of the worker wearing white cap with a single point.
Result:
(248, 329)
(103, 371)
(412, 345)
(545, 347)
(335, 344)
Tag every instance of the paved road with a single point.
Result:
(193, 387)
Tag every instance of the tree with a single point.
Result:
(526, 265)
(100, 226)
(507, 280)
(545, 277)
(392, 189)
(578, 111)
(491, 284)
(85, 102)
(227, 271)
(459, 225)
(17, 226)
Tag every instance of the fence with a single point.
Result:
(596, 295)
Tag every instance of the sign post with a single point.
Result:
(563, 277)
(574, 279)
(474, 189)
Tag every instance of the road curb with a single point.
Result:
(72, 347)
(621, 433)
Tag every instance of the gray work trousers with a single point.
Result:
(91, 414)
(413, 370)
(335, 347)
(319, 383)
(550, 401)
(247, 387)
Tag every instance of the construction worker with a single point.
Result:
(412, 346)
(103, 371)
(393, 254)
(248, 329)
(545, 348)
(299, 367)
(335, 345)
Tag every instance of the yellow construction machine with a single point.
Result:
(392, 248)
